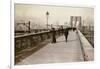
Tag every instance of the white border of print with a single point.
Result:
(46, 66)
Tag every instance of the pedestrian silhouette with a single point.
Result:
(74, 28)
(66, 33)
(62, 30)
(53, 35)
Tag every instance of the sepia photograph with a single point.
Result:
(46, 34)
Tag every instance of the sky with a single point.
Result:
(57, 14)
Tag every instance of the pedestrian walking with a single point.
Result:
(53, 35)
(66, 33)
(62, 30)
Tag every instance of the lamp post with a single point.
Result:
(47, 16)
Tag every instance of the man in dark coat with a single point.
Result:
(53, 35)
(66, 33)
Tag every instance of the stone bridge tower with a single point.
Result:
(76, 21)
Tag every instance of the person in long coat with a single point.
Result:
(53, 35)
(66, 34)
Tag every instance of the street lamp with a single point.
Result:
(47, 15)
